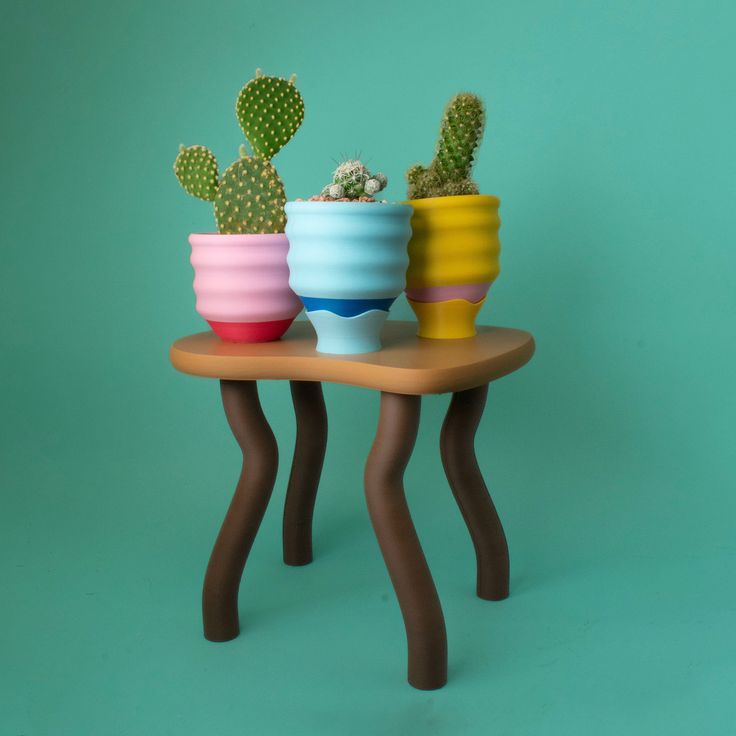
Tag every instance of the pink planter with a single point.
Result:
(242, 285)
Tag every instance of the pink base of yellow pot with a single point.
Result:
(448, 320)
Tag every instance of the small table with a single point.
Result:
(403, 371)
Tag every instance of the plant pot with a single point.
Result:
(453, 260)
(242, 285)
(348, 264)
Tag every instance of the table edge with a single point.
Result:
(409, 381)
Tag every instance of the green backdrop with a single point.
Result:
(610, 141)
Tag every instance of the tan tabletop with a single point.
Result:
(407, 364)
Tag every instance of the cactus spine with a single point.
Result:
(249, 197)
(460, 135)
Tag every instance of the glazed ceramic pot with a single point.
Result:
(453, 260)
(348, 264)
(242, 285)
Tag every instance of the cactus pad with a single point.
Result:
(352, 176)
(196, 169)
(250, 198)
(269, 110)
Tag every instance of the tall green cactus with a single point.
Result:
(460, 135)
(249, 197)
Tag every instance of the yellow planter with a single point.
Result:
(453, 254)
(451, 318)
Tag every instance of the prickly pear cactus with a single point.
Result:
(460, 135)
(270, 110)
(196, 169)
(250, 198)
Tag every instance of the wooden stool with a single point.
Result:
(403, 371)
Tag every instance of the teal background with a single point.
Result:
(610, 141)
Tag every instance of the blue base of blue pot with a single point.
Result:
(348, 335)
(345, 307)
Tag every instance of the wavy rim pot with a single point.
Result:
(453, 260)
(348, 264)
(242, 285)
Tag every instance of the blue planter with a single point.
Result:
(347, 263)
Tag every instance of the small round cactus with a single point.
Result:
(351, 171)
(352, 175)
(372, 186)
(351, 180)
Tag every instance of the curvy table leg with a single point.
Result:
(384, 489)
(461, 467)
(306, 468)
(260, 462)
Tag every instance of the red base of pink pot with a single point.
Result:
(250, 331)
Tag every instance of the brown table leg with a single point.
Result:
(384, 489)
(260, 462)
(461, 467)
(306, 468)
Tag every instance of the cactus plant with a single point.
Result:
(351, 180)
(249, 197)
(269, 110)
(449, 173)
(196, 169)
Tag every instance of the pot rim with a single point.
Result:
(456, 200)
(238, 235)
(392, 208)
(238, 240)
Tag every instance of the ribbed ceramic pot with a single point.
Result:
(348, 264)
(453, 260)
(242, 285)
